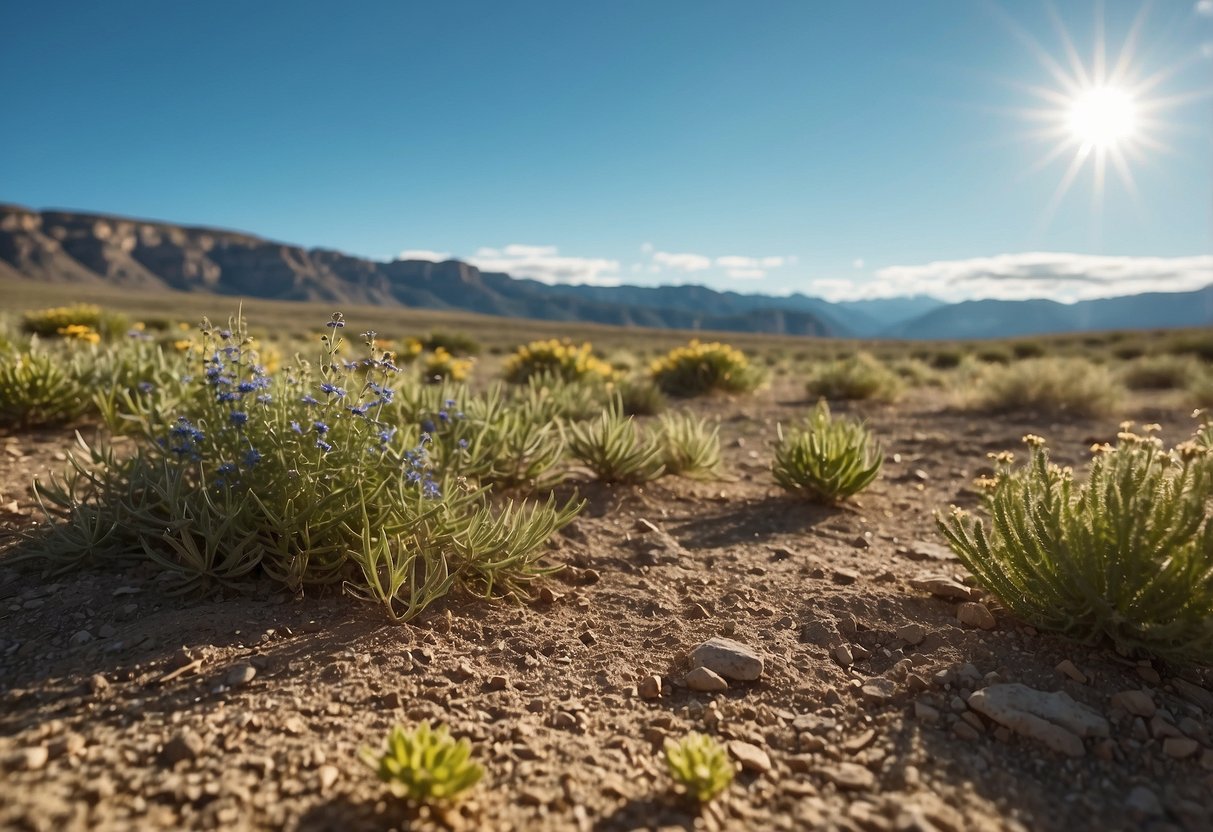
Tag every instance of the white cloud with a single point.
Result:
(736, 261)
(1206, 49)
(746, 274)
(682, 262)
(546, 264)
(857, 263)
(1205, 7)
(424, 254)
(1056, 275)
(647, 248)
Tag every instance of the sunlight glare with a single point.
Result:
(1103, 117)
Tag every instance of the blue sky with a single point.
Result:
(839, 148)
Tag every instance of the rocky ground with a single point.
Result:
(888, 695)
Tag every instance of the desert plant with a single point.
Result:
(689, 447)
(615, 448)
(698, 369)
(82, 321)
(39, 389)
(424, 765)
(641, 397)
(860, 376)
(298, 477)
(1053, 385)
(1161, 372)
(548, 397)
(1125, 556)
(556, 359)
(826, 460)
(1200, 389)
(699, 765)
(440, 366)
(455, 343)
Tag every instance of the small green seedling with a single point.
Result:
(700, 766)
(424, 765)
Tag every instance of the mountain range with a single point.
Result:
(78, 247)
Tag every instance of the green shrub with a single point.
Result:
(615, 448)
(689, 447)
(1200, 389)
(945, 359)
(994, 355)
(860, 376)
(551, 397)
(298, 477)
(641, 398)
(1028, 349)
(440, 366)
(456, 343)
(1051, 385)
(698, 369)
(75, 322)
(39, 389)
(827, 459)
(424, 765)
(699, 765)
(917, 373)
(1126, 555)
(556, 359)
(1198, 345)
(1160, 372)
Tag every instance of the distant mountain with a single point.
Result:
(84, 248)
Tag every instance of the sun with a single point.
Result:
(1103, 117)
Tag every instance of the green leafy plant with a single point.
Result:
(424, 765)
(1161, 372)
(826, 460)
(1125, 556)
(1051, 385)
(860, 376)
(698, 369)
(689, 447)
(700, 766)
(40, 389)
(301, 477)
(615, 448)
(641, 397)
(75, 322)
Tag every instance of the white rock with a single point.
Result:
(1053, 719)
(751, 757)
(728, 658)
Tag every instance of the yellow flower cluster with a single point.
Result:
(569, 361)
(79, 332)
(442, 366)
(53, 321)
(696, 353)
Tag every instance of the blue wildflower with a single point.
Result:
(333, 389)
(251, 457)
(308, 399)
(296, 428)
(146, 387)
(463, 443)
(265, 398)
(324, 446)
(227, 468)
(238, 417)
(321, 428)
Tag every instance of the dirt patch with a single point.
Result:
(125, 708)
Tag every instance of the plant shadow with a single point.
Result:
(750, 520)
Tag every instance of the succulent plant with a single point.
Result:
(699, 765)
(425, 765)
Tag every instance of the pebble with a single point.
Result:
(1180, 747)
(1143, 801)
(184, 746)
(98, 683)
(912, 633)
(1068, 669)
(1053, 719)
(965, 731)
(81, 637)
(705, 680)
(328, 776)
(973, 614)
(30, 759)
(240, 675)
(879, 689)
(925, 713)
(842, 654)
(1135, 702)
(845, 577)
(728, 658)
(751, 757)
(849, 776)
(942, 587)
(650, 687)
(498, 682)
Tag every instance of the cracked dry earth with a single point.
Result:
(878, 707)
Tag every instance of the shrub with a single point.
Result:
(75, 322)
(441, 366)
(698, 369)
(828, 459)
(1125, 556)
(424, 765)
(945, 359)
(615, 448)
(699, 765)
(38, 389)
(689, 448)
(860, 376)
(1200, 389)
(455, 343)
(1054, 385)
(1028, 349)
(556, 359)
(298, 477)
(641, 398)
(1198, 345)
(551, 397)
(1160, 372)
(917, 373)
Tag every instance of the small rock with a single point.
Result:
(942, 586)
(842, 654)
(848, 776)
(30, 759)
(1053, 719)
(564, 721)
(1135, 702)
(845, 577)
(973, 614)
(1149, 674)
(728, 658)
(240, 675)
(879, 689)
(925, 712)
(69, 745)
(1180, 747)
(965, 731)
(650, 687)
(751, 757)
(1195, 694)
(912, 633)
(1144, 802)
(1068, 669)
(184, 746)
(498, 682)
(705, 680)
(81, 637)
(98, 683)
(328, 775)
